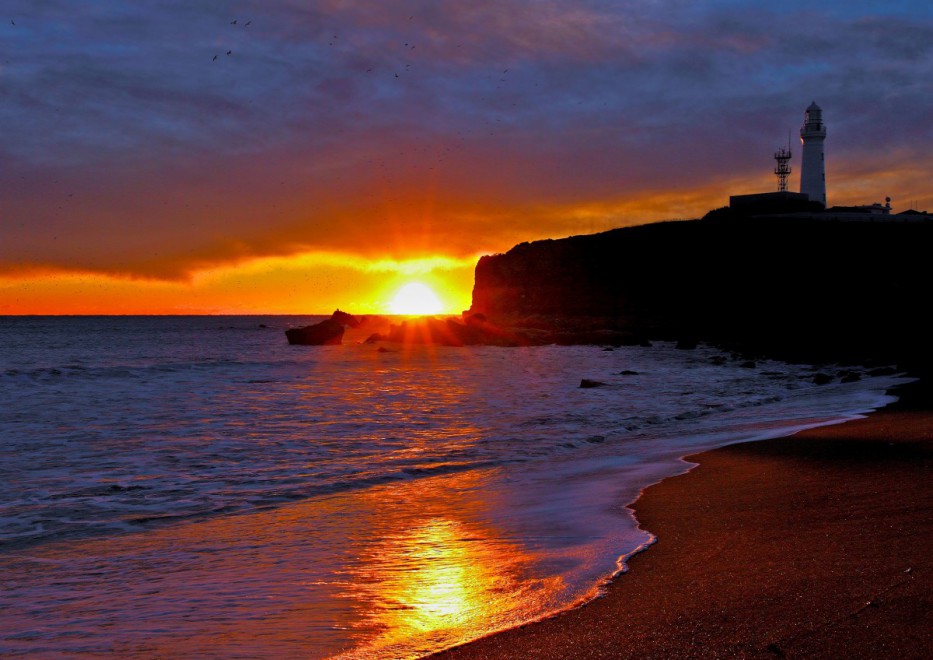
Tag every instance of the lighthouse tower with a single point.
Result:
(812, 168)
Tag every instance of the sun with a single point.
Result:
(415, 298)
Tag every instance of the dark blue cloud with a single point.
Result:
(326, 113)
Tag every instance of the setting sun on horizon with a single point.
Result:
(416, 298)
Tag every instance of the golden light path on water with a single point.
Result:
(422, 571)
(442, 581)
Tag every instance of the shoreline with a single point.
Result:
(723, 578)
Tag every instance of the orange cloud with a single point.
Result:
(303, 284)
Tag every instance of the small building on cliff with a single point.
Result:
(772, 202)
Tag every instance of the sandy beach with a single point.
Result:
(814, 546)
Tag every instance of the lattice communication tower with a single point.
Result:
(782, 156)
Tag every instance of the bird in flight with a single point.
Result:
(229, 52)
(233, 22)
(215, 59)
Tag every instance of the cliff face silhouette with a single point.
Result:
(816, 290)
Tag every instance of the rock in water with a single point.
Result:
(425, 330)
(346, 319)
(325, 333)
(587, 383)
(849, 377)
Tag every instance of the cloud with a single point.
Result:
(398, 131)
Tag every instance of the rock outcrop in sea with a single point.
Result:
(474, 330)
(325, 333)
(330, 331)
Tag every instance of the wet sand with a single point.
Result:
(819, 546)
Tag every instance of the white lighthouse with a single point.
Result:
(812, 168)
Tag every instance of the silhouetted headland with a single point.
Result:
(797, 288)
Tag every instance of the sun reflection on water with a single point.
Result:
(425, 568)
(441, 580)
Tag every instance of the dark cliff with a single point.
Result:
(812, 289)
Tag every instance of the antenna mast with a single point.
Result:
(782, 156)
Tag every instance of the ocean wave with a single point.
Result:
(114, 434)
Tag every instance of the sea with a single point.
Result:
(196, 487)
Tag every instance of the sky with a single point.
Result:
(294, 156)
